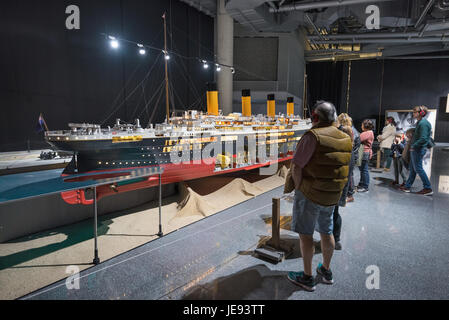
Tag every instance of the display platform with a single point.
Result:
(30, 161)
(32, 262)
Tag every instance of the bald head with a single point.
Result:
(325, 111)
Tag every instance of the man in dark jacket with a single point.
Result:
(418, 148)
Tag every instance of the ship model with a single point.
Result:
(189, 146)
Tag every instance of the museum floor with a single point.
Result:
(405, 235)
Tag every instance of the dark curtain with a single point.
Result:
(324, 82)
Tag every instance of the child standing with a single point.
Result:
(396, 153)
(405, 158)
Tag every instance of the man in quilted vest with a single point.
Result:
(320, 171)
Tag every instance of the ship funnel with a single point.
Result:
(271, 106)
(246, 103)
(290, 107)
(212, 99)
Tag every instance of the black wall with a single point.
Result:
(406, 83)
(74, 76)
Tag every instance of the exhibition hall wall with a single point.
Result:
(405, 84)
(75, 76)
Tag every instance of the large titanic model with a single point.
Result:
(187, 147)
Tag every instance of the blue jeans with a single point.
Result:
(364, 173)
(415, 167)
(386, 156)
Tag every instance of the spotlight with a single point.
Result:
(114, 43)
(167, 57)
(142, 50)
(205, 65)
(218, 67)
(232, 70)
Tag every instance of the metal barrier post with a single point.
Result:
(160, 234)
(276, 223)
(96, 259)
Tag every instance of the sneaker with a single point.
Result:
(425, 192)
(337, 245)
(394, 183)
(326, 275)
(362, 189)
(350, 199)
(300, 279)
(405, 189)
(387, 170)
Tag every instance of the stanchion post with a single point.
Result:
(276, 223)
(378, 159)
(96, 259)
(160, 234)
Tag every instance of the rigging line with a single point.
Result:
(155, 106)
(127, 83)
(123, 90)
(172, 99)
(152, 97)
(192, 87)
(158, 91)
(171, 52)
(197, 102)
(145, 102)
(189, 80)
(171, 27)
(138, 103)
(237, 67)
(134, 90)
(158, 49)
(177, 95)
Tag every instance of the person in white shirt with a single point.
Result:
(386, 140)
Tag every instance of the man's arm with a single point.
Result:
(304, 151)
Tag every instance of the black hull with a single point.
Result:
(102, 155)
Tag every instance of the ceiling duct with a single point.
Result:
(362, 41)
(301, 6)
(208, 7)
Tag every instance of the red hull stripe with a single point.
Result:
(172, 173)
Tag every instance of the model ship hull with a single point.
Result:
(182, 159)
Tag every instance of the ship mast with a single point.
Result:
(167, 104)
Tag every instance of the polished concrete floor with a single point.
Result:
(395, 246)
